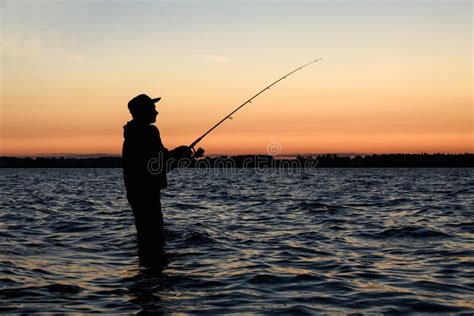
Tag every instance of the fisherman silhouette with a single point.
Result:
(145, 164)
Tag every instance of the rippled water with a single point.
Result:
(329, 240)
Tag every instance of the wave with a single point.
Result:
(407, 232)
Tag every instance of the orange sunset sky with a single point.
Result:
(396, 76)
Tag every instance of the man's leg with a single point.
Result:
(148, 220)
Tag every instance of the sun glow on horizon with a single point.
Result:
(395, 77)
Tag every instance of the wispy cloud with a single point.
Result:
(76, 58)
(21, 46)
(219, 59)
(35, 46)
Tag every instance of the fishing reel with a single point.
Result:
(197, 153)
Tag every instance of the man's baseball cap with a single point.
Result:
(140, 101)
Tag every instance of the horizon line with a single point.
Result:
(211, 155)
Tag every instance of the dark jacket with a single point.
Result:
(144, 159)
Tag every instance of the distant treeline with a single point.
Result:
(264, 161)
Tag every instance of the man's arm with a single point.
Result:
(181, 156)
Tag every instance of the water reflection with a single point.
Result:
(148, 281)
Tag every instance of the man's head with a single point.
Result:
(143, 109)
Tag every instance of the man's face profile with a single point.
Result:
(146, 113)
(153, 113)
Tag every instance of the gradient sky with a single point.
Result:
(396, 76)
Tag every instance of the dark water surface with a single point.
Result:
(329, 240)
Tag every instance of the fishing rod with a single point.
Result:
(229, 116)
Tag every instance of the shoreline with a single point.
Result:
(264, 161)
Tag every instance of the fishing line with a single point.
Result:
(229, 116)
